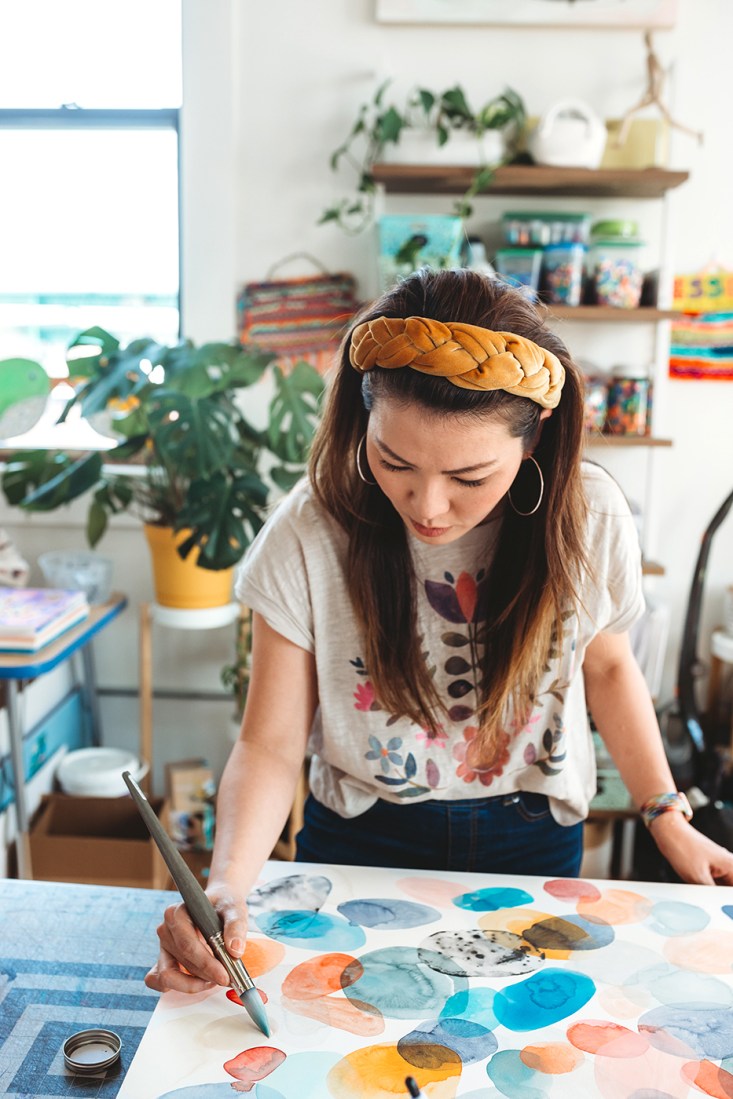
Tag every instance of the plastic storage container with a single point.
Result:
(562, 273)
(549, 227)
(616, 272)
(521, 267)
(615, 266)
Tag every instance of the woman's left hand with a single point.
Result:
(695, 857)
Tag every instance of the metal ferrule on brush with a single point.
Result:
(240, 978)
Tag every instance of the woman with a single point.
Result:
(435, 610)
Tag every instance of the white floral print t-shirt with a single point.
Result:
(293, 575)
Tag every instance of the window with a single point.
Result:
(89, 219)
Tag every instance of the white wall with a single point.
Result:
(271, 90)
(297, 103)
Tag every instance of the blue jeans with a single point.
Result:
(513, 833)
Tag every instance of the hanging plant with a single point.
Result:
(380, 124)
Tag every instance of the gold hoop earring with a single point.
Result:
(542, 491)
(358, 462)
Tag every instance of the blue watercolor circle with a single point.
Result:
(471, 1041)
(389, 914)
(492, 899)
(476, 1004)
(311, 930)
(672, 918)
(508, 1072)
(302, 1074)
(704, 1030)
(400, 983)
(542, 999)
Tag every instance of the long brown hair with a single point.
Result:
(537, 561)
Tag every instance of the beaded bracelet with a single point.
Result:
(662, 803)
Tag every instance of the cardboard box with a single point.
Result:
(96, 841)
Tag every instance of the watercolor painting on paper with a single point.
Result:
(474, 985)
(531, 13)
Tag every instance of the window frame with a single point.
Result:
(71, 117)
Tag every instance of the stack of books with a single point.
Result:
(31, 617)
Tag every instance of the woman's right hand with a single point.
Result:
(185, 961)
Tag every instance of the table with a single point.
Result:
(19, 667)
(72, 957)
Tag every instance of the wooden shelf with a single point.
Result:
(599, 439)
(652, 568)
(644, 314)
(530, 179)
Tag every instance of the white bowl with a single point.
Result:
(97, 772)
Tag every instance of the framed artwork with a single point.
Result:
(531, 13)
(476, 986)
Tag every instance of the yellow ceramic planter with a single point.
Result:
(180, 583)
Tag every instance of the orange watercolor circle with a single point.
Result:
(610, 1039)
(708, 952)
(376, 1071)
(262, 955)
(552, 1058)
(615, 906)
(320, 976)
(709, 1078)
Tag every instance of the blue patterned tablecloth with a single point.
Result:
(72, 957)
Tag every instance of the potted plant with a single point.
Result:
(444, 117)
(188, 459)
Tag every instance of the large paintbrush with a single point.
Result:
(200, 909)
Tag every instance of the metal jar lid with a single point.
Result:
(89, 1052)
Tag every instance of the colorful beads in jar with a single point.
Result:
(628, 407)
(562, 273)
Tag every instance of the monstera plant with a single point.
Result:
(187, 455)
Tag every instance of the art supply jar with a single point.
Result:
(629, 404)
(562, 273)
(595, 403)
(520, 267)
(615, 264)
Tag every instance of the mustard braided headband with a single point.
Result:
(469, 356)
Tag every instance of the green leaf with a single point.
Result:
(224, 514)
(455, 104)
(72, 481)
(192, 437)
(390, 125)
(412, 791)
(294, 412)
(379, 94)
(427, 99)
(96, 522)
(285, 478)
